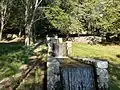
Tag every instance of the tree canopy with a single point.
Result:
(67, 16)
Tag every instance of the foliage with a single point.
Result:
(73, 16)
(110, 20)
(11, 57)
(87, 15)
(16, 15)
(58, 18)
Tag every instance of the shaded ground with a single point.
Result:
(15, 55)
(110, 53)
(11, 58)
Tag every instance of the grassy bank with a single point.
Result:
(11, 58)
(15, 55)
(110, 53)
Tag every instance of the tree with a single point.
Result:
(110, 21)
(33, 13)
(16, 21)
(5, 7)
(58, 18)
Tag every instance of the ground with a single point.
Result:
(110, 53)
(13, 57)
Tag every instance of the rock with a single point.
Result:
(102, 78)
(5, 84)
(37, 50)
(53, 73)
(101, 64)
(16, 40)
(33, 57)
(60, 40)
(14, 36)
(4, 80)
(9, 36)
(23, 67)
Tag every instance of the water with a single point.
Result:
(77, 78)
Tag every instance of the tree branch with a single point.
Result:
(39, 19)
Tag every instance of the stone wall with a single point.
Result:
(85, 39)
(101, 71)
(53, 64)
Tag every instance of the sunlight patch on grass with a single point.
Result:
(97, 51)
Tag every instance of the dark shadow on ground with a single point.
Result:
(11, 57)
(6, 48)
(114, 74)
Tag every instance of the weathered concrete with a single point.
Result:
(101, 68)
(53, 64)
(69, 48)
(53, 73)
(77, 78)
(60, 50)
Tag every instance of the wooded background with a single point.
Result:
(37, 18)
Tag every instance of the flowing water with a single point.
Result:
(77, 78)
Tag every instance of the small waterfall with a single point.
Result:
(77, 78)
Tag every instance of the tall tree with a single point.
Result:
(33, 13)
(5, 7)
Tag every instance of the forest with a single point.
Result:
(33, 19)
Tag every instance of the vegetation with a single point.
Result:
(109, 53)
(38, 17)
(11, 58)
(19, 63)
(30, 19)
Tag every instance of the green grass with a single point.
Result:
(109, 53)
(12, 56)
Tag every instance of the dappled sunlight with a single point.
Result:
(11, 58)
(15, 60)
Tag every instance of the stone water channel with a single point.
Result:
(73, 73)
(77, 78)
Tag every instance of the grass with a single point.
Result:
(11, 58)
(109, 52)
(13, 55)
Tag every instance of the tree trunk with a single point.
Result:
(28, 36)
(29, 23)
(28, 27)
(3, 12)
(2, 24)
(1, 30)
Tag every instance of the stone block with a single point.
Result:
(101, 64)
(60, 40)
(102, 78)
